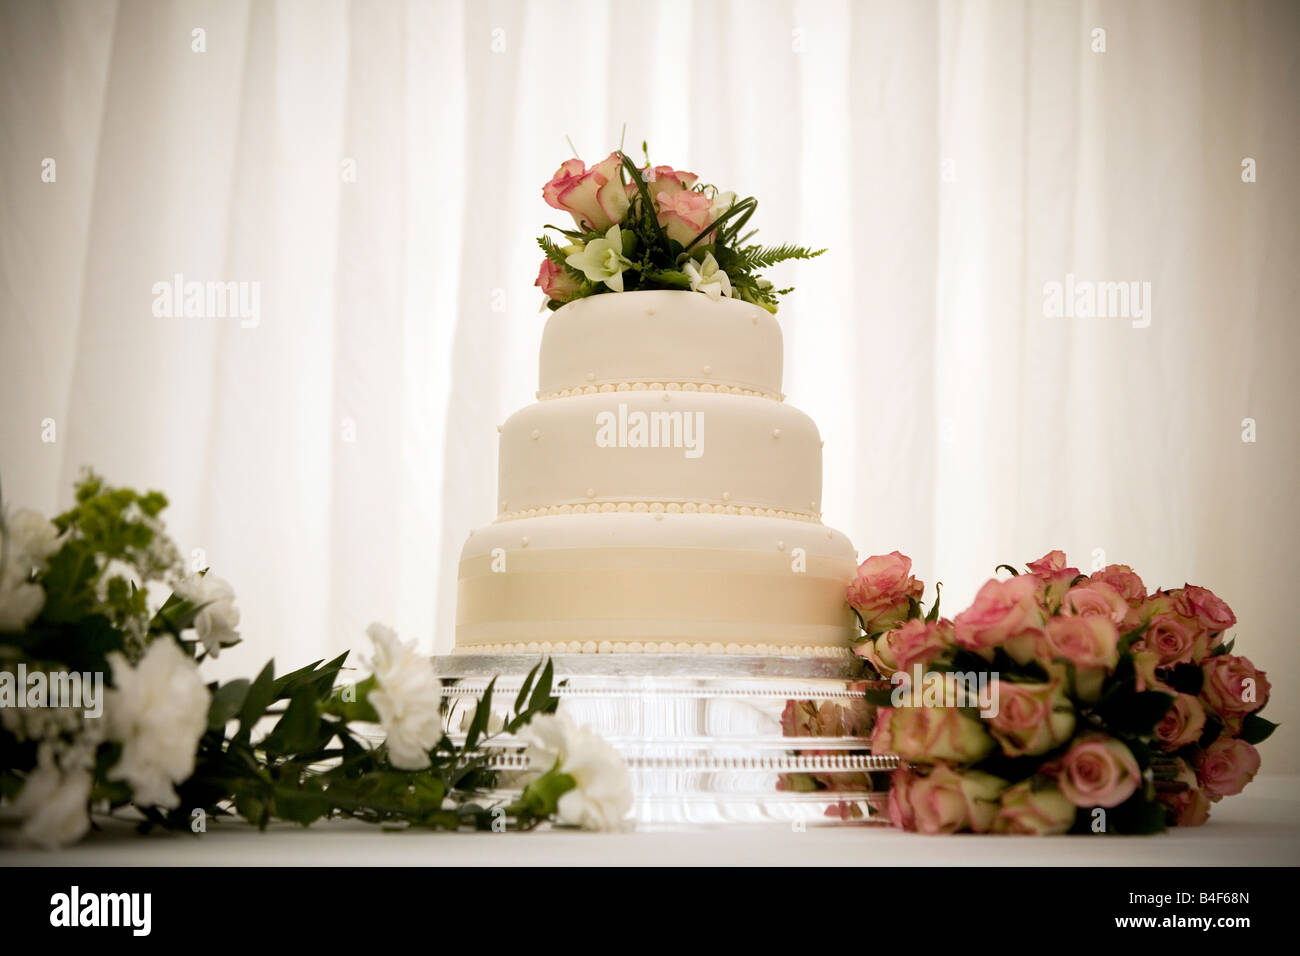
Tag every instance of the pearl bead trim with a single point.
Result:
(656, 647)
(657, 508)
(707, 387)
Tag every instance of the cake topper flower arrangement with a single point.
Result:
(1058, 701)
(653, 227)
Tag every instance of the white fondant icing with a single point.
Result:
(612, 339)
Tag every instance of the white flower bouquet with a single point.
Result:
(103, 709)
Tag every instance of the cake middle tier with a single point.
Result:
(660, 451)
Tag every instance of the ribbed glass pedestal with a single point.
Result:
(709, 739)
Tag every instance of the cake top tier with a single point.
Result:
(667, 339)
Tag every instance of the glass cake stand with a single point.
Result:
(710, 740)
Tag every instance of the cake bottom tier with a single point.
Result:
(658, 583)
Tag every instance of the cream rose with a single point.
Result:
(1182, 723)
(1233, 687)
(1095, 599)
(1189, 806)
(916, 642)
(883, 591)
(685, 214)
(1226, 766)
(947, 800)
(1173, 640)
(1034, 812)
(594, 197)
(931, 734)
(1203, 605)
(1031, 718)
(1123, 580)
(1091, 644)
(1099, 771)
(1002, 610)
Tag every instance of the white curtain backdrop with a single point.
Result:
(954, 157)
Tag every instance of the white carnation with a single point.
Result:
(218, 618)
(158, 711)
(28, 536)
(26, 542)
(406, 698)
(602, 796)
(53, 803)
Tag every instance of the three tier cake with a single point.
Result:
(660, 497)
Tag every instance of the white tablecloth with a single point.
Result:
(1260, 826)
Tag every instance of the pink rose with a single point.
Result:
(1055, 577)
(1201, 604)
(1233, 687)
(883, 591)
(930, 734)
(1145, 663)
(916, 642)
(555, 282)
(900, 797)
(1188, 805)
(662, 179)
(1034, 812)
(1182, 723)
(1031, 718)
(806, 718)
(1098, 772)
(1086, 642)
(1226, 766)
(1124, 580)
(1095, 598)
(945, 800)
(1173, 641)
(1050, 564)
(594, 197)
(684, 215)
(1002, 610)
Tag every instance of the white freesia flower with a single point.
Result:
(53, 803)
(602, 796)
(158, 710)
(26, 542)
(602, 260)
(707, 277)
(406, 698)
(218, 617)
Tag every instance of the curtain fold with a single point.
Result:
(373, 170)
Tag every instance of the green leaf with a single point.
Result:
(300, 806)
(261, 693)
(482, 712)
(299, 728)
(357, 709)
(541, 700)
(1255, 729)
(647, 204)
(525, 687)
(934, 608)
(227, 700)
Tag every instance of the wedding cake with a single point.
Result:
(660, 496)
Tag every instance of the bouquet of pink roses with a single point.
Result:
(1058, 701)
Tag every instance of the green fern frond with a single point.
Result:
(761, 257)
